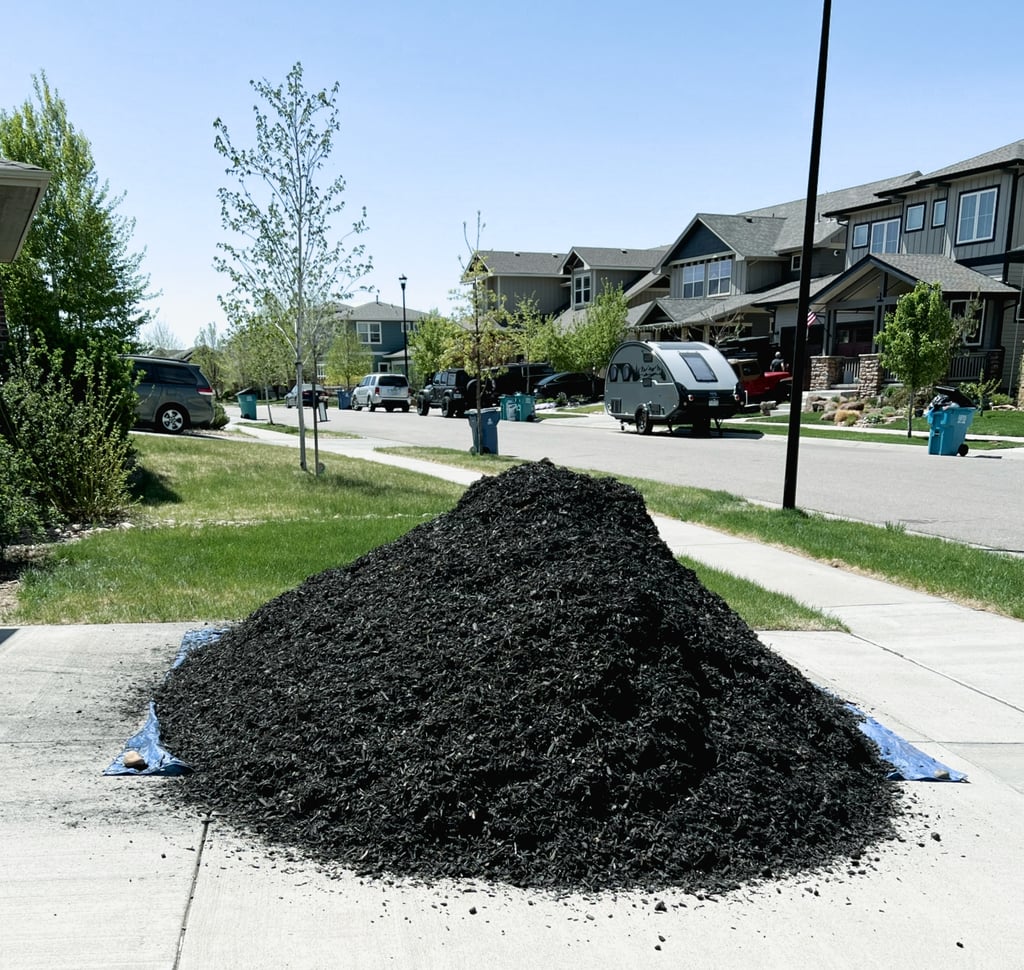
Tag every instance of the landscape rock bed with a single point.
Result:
(528, 689)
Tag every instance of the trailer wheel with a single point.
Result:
(643, 420)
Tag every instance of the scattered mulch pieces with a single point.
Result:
(527, 689)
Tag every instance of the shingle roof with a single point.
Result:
(751, 236)
(515, 263)
(377, 312)
(1012, 154)
(827, 206)
(596, 257)
(953, 277)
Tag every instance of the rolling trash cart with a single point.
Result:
(484, 426)
(247, 404)
(949, 416)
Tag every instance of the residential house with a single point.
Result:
(21, 190)
(384, 329)
(739, 274)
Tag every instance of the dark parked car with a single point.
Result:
(573, 384)
(307, 396)
(172, 394)
(447, 390)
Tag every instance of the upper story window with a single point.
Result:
(581, 289)
(914, 219)
(860, 235)
(368, 332)
(885, 236)
(796, 261)
(938, 213)
(976, 221)
(719, 277)
(693, 280)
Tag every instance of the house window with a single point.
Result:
(719, 277)
(938, 213)
(693, 280)
(860, 235)
(368, 333)
(968, 311)
(915, 217)
(977, 219)
(581, 290)
(796, 261)
(885, 236)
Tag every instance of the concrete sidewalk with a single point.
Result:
(96, 872)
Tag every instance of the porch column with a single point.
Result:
(825, 372)
(870, 379)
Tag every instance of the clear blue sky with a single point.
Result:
(590, 124)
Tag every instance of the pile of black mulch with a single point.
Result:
(528, 689)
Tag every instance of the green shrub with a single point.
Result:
(20, 518)
(71, 430)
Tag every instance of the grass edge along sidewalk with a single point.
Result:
(224, 525)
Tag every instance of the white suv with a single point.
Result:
(388, 391)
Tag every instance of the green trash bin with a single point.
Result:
(509, 409)
(484, 427)
(526, 406)
(247, 404)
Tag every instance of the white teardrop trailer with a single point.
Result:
(672, 383)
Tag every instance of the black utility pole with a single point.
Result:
(803, 300)
(405, 339)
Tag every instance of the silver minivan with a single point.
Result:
(388, 391)
(172, 394)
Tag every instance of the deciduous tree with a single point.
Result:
(75, 280)
(917, 340)
(283, 255)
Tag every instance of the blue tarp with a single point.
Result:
(908, 763)
(146, 741)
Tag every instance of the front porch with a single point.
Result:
(865, 376)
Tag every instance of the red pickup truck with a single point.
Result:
(760, 385)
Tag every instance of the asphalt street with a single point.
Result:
(976, 499)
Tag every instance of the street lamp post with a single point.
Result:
(405, 339)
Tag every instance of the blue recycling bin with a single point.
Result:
(948, 430)
(247, 405)
(484, 427)
(344, 400)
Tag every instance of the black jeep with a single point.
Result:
(452, 390)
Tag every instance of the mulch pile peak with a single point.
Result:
(527, 689)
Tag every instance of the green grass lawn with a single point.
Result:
(223, 525)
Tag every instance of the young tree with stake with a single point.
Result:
(280, 216)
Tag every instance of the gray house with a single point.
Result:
(380, 327)
(961, 226)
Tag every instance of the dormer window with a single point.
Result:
(581, 289)
(693, 280)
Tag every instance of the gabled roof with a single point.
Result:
(514, 263)
(21, 190)
(750, 236)
(595, 257)
(377, 312)
(953, 277)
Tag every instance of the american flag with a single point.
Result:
(812, 319)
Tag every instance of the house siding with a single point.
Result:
(552, 294)
(929, 240)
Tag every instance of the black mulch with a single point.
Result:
(528, 689)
